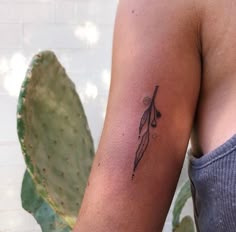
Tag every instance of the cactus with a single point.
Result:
(186, 224)
(54, 137)
(41, 210)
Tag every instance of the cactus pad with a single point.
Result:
(41, 210)
(54, 135)
(187, 223)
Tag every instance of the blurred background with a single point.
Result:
(80, 33)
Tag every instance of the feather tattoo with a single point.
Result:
(149, 119)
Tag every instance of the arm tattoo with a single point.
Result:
(149, 119)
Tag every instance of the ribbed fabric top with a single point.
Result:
(213, 185)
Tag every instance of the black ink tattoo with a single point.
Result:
(147, 101)
(149, 118)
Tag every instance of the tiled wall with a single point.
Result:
(80, 33)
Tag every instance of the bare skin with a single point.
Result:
(216, 112)
(187, 49)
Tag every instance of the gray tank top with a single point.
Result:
(213, 186)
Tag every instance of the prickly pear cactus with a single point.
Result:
(186, 224)
(46, 217)
(54, 136)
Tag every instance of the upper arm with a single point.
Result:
(155, 44)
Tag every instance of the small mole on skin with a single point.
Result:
(132, 11)
(98, 164)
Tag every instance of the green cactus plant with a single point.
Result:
(186, 224)
(44, 214)
(55, 141)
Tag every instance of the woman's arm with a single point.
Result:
(154, 91)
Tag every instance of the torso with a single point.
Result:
(215, 120)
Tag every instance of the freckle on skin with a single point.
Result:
(132, 11)
(154, 136)
(98, 164)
